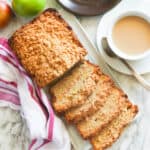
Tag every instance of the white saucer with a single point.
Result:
(142, 66)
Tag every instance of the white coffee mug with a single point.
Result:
(111, 43)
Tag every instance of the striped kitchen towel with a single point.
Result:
(19, 92)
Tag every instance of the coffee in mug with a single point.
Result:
(131, 35)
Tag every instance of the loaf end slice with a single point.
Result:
(47, 47)
(111, 133)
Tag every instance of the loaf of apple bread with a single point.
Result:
(47, 47)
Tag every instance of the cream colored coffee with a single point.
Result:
(132, 35)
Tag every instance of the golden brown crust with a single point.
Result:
(74, 88)
(47, 47)
(111, 133)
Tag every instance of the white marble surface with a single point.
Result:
(137, 135)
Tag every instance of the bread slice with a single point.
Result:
(111, 133)
(47, 47)
(103, 116)
(74, 88)
(94, 102)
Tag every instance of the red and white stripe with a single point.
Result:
(10, 92)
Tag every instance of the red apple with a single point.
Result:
(5, 13)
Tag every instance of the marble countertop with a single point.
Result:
(137, 136)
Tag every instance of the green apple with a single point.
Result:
(28, 7)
